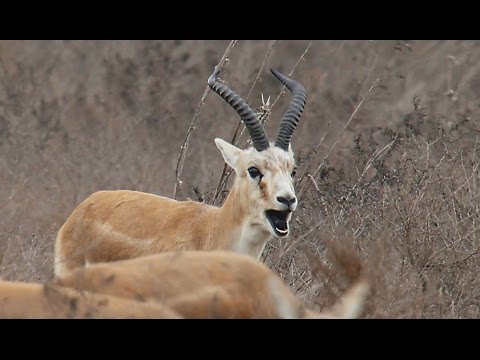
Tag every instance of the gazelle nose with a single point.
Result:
(286, 201)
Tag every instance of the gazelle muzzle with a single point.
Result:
(279, 221)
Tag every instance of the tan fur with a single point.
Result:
(116, 225)
(35, 301)
(199, 284)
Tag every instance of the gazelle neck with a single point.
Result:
(235, 225)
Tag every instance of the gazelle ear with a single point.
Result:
(229, 152)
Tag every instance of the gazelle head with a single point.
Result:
(264, 171)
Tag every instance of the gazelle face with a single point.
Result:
(265, 181)
(264, 172)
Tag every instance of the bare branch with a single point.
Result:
(184, 147)
(302, 57)
(317, 171)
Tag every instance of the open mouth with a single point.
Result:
(279, 221)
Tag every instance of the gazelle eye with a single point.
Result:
(294, 172)
(254, 172)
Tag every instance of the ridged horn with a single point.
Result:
(294, 111)
(253, 125)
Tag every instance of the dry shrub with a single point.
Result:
(411, 213)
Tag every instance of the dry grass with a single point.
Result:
(399, 189)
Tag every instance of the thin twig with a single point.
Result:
(453, 263)
(184, 147)
(269, 50)
(317, 171)
(312, 179)
(376, 156)
(302, 57)
(313, 154)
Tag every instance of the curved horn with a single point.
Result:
(254, 127)
(294, 111)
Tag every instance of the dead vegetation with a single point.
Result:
(397, 186)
